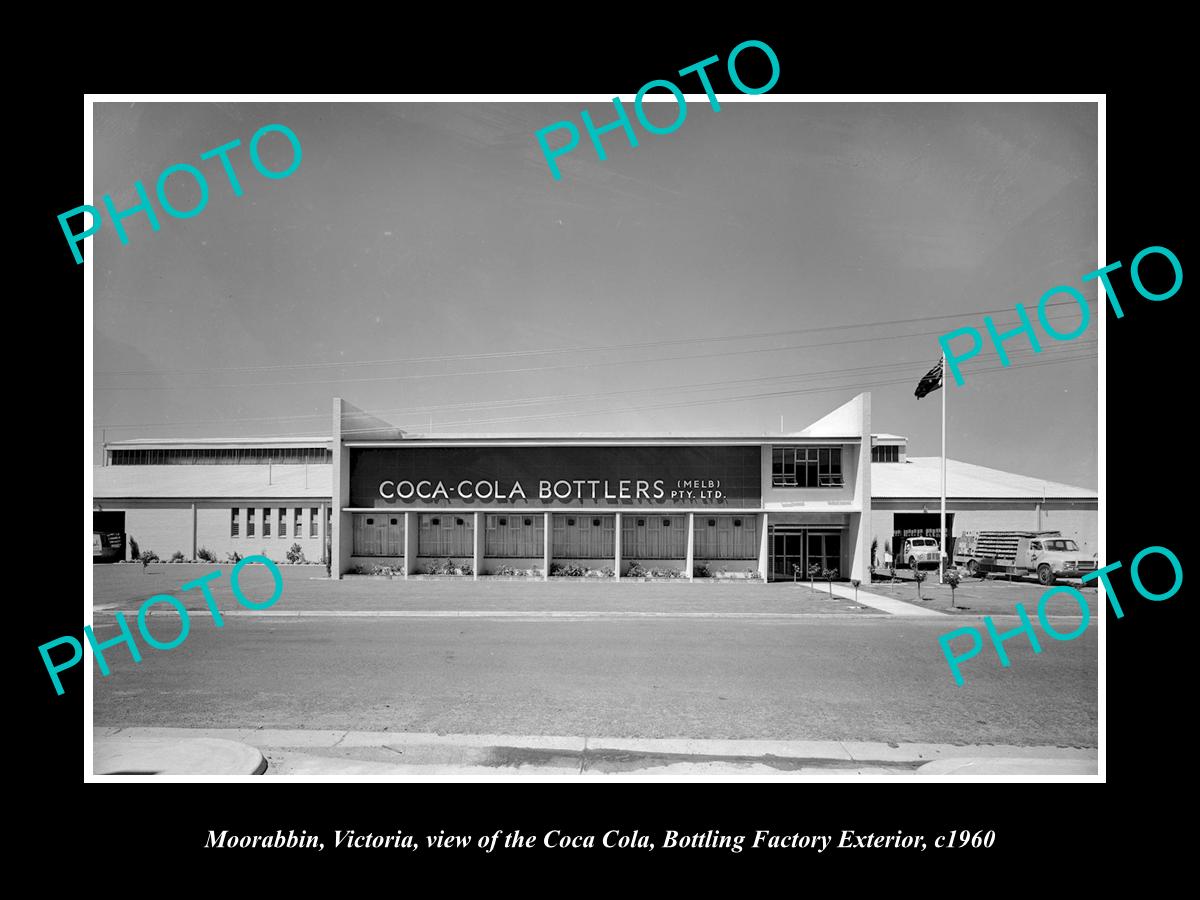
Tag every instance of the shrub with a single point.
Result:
(177, 556)
(466, 569)
(637, 570)
(874, 547)
(234, 557)
(134, 552)
(206, 555)
(829, 575)
(607, 572)
(295, 554)
(701, 571)
(506, 569)
(952, 578)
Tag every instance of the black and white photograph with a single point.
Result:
(521, 439)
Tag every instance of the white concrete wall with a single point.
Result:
(165, 526)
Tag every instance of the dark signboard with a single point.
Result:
(556, 476)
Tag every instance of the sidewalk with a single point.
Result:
(345, 754)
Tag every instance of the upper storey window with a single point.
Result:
(806, 467)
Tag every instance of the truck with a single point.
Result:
(919, 551)
(1045, 554)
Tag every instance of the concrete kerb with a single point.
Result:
(495, 750)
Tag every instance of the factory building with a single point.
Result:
(736, 505)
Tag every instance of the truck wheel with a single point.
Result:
(1045, 575)
(972, 568)
(912, 563)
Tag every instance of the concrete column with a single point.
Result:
(548, 533)
(478, 526)
(617, 544)
(321, 529)
(410, 542)
(860, 523)
(764, 548)
(691, 551)
(340, 545)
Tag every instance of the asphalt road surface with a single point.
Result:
(811, 678)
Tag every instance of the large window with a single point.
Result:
(298, 522)
(250, 521)
(266, 521)
(726, 537)
(378, 534)
(205, 456)
(806, 467)
(282, 522)
(312, 522)
(514, 536)
(233, 522)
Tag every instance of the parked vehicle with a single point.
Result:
(920, 551)
(107, 546)
(1046, 554)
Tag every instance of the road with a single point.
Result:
(801, 678)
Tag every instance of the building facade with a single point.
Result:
(766, 506)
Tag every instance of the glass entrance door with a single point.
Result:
(825, 550)
(786, 551)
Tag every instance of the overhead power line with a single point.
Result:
(494, 372)
(710, 401)
(547, 399)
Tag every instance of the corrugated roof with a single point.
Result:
(187, 443)
(921, 477)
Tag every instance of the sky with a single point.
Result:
(768, 259)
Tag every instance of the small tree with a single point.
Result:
(814, 572)
(134, 552)
(952, 579)
(829, 575)
(147, 557)
(856, 583)
(918, 577)
(795, 572)
(295, 554)
(874, 547)
(892, 569)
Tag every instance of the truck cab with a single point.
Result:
(1052, 557)
(920, 551)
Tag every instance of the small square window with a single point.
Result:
(529, 521)
(502, 520)
(571, 522)
(458, 521)
(435, 521)
(666, 523)
(395, 521)
(595, 523)
(737, 523)
(641, 523)
(712, 523)
(370, 521)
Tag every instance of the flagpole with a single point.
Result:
(942, 556)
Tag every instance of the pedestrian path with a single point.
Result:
(884, 604)
(336, 753)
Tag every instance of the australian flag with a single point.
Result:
(931, 382)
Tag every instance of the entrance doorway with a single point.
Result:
(796, 545)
